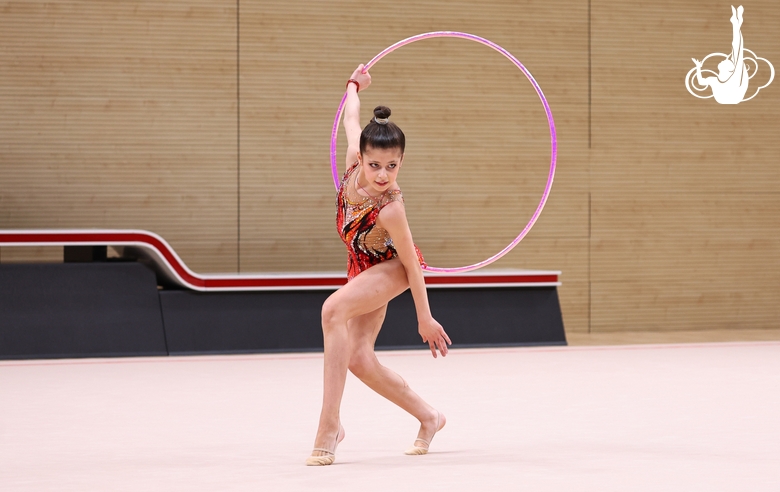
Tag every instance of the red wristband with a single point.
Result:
(353, 81)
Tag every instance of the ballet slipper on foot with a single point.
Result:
(329, 456)
(420, 450)
(323, 460)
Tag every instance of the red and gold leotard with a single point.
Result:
(367, 244)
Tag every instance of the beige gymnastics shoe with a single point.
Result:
(419, 450)
(330, 456)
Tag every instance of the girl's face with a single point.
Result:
(380, 168)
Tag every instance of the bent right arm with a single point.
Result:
(352, 113)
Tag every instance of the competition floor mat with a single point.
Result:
(633, 417)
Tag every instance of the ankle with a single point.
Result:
(429, 418)
(327, 433)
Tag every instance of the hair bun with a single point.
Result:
(382, 112)
(381, 133)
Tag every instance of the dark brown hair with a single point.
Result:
(382, 136)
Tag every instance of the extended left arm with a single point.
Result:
(392, 218)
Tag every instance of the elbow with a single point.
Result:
(411, 265)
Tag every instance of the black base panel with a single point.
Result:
(202, 323)
(79, 310)
(229, 322)
(480, 317)
(115, 309)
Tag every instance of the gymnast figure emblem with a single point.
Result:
(730, 84)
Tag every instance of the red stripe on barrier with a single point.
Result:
(108, 237)
(226, 282)
(276, 282)
(492, 279)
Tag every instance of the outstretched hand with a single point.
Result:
(434, 335)
(363, 77)
(697, 62)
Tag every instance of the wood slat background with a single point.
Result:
(208, 122)
(122, 115)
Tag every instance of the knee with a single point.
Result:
(361, 363)
(331, 314)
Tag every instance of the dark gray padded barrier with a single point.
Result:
(235, 322)
(480, 317)
(114, 309)
(202, 323)
(79, 310)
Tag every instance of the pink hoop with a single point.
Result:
(553, 136)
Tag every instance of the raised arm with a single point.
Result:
(352, 113)
(392, 218)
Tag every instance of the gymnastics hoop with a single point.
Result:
(553, 136)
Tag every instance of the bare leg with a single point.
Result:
(736, 35)
(363, 331)
(737, 45)
(366, 293)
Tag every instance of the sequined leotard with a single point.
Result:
(367, 244)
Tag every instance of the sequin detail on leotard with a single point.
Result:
(367, 244)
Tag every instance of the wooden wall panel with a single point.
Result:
(684, 216)
(703, 284)
(36, 254)
(649, 133)
(698, 262)
(122, 115)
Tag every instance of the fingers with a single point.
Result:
(437, 339)
(444, 340)
(430, 345)
(447, 338)
(443, 348)
(362, 76)
(358, 71)
(441, 343)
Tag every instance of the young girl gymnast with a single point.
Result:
(383, 262)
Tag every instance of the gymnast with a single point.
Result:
(731, 84)
(383, 262)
